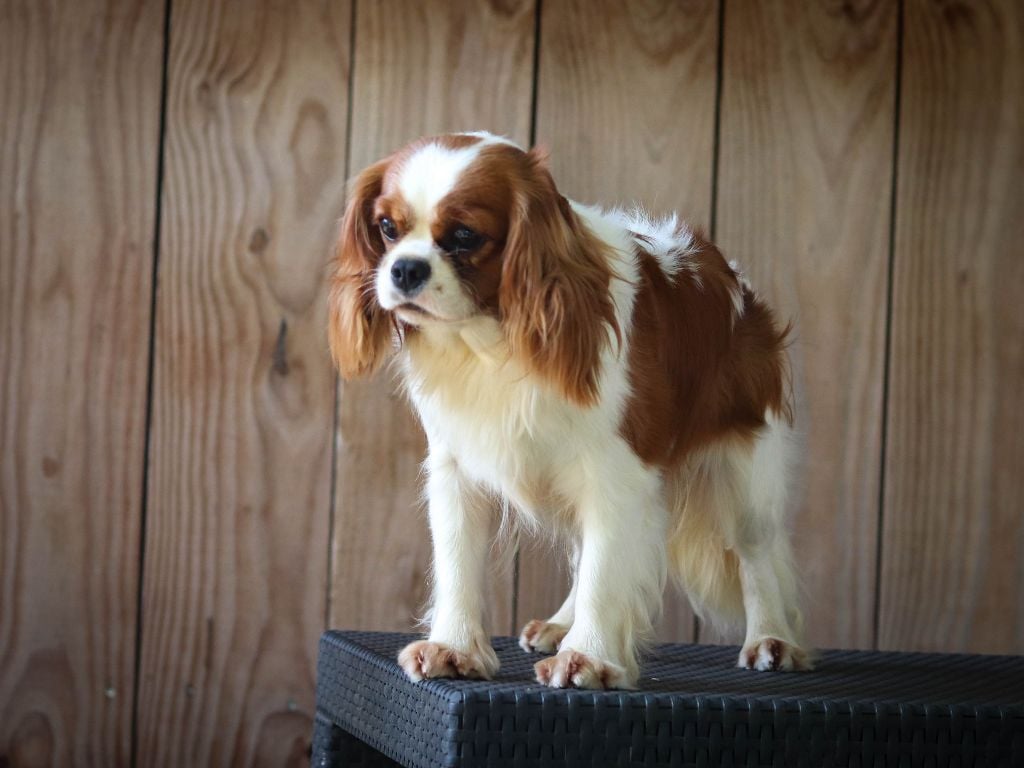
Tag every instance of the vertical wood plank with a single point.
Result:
(446, 66)
(626, 104)
(80, 99)
(953, 528)
(806, 142)
(236, 551)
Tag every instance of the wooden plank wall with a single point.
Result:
(863, 161)
(952, 565)
(235, 576)
(79, 139)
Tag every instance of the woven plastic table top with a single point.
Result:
(693, 708)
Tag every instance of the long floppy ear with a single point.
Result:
(359, 330)
(555, 297)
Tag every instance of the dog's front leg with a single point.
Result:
(457, 645)
(621, 573)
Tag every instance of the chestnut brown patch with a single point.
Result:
(359, 330)
(697, 371)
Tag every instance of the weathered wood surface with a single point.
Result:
(78, 156)
(239, 478)
(952, 570)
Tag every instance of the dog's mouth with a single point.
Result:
(414, 313)
(410, 307)
(416, 309)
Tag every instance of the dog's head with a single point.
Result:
(457, 227)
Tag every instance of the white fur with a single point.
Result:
(490, 138)
(736, 289)
(668, 239)
(496, 430)
(430, 174)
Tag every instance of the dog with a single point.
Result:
(606, 374)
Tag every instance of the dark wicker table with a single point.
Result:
(857, 708)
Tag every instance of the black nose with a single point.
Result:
(409, 275)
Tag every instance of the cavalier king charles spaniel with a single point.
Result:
(606, 375)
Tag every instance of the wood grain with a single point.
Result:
(80, 99)
(236, 549)
(807, 121)
(446, 66)
(626, 104)
(953, 543)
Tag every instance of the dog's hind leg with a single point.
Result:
(546, 636)
(774, 635)
(730, 547)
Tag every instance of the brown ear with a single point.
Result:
(359, 330)
(555, 297)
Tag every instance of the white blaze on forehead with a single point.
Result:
(430, 174)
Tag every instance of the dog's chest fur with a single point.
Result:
(515, 438)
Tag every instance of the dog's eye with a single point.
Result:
(462, 240)
(388, 229)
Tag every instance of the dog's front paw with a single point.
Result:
(427, 659)
(543, 636)
(573, 669)
(771, 654)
